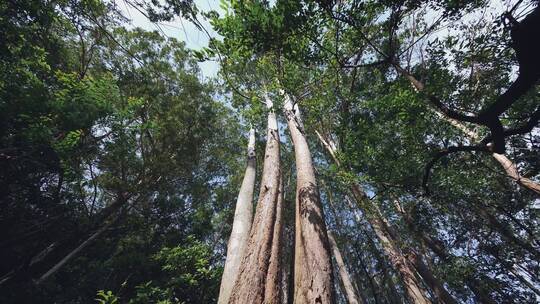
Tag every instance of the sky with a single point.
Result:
(180, 29)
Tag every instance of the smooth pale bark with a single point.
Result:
(350, 292)
(243, 215)
(508, 166)
(258, 278)
(74, 253)
(313, 275)
(400, 263)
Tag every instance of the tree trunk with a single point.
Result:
(313, 279)
(259, 270)
(74, 253)
(437, 247)
(350, 292)
(339, 226)
(442, 295)
(243, 216)
(413, 287)
(400, 263)
(509, 167)
(393, 296)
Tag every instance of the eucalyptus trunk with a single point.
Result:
(259, 275)
(74, 252)
(350, 291)
(313, 275)
(243, 215)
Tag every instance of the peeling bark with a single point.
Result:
(259, 275)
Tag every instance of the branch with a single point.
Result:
(523, 129)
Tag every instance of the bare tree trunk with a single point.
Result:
(400, 263)
(351, 293)
(509, 167)
(313, 279)
(273, 289)
(440, 292)
(438, 288)
(413, 286)
(339, 226)
(259, 269)
(74, 252)
(243, 216)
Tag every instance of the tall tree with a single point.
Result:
(313, 276)
(259, 276)
(243, 216)
(350, 291)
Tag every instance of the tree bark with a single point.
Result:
(442, 295)
(313, 279)
(350, 292)
(74, 252)
(243, 216)
(258, 278)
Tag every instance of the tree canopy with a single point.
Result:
(404, 165)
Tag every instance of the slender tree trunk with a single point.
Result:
(400, 263)
(260, 267)
(438, 288)
(440, 292)
(413, 286)
(509, 167)
(339, 226)
(313, 279)
(437, 247)
(350, 292)
(243, 216)
(393, 294)
(74, 253)
(393, 297)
